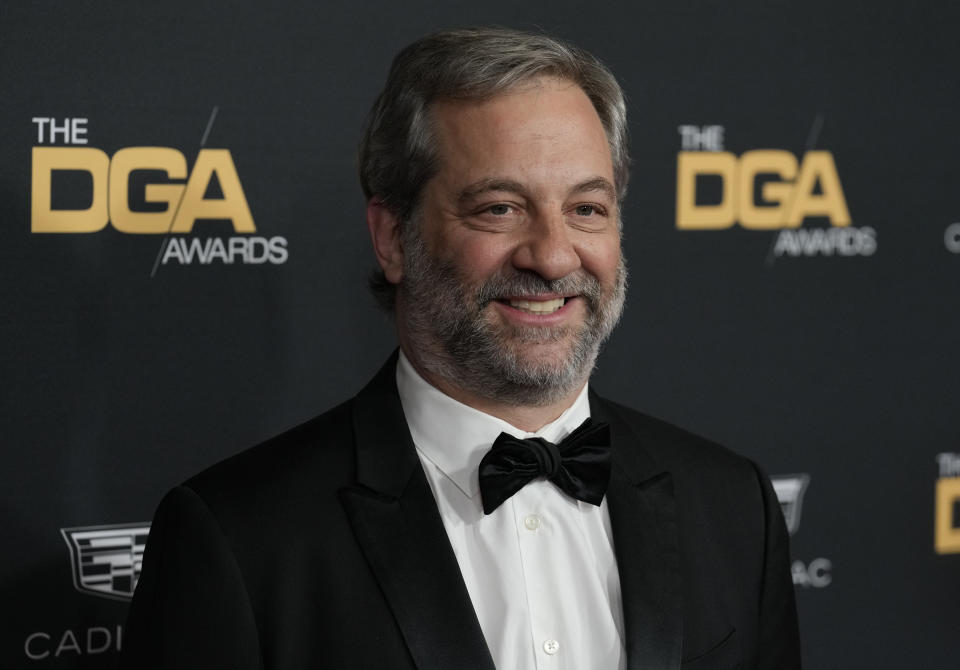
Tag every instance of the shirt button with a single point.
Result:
(551, 647)
(532, 522)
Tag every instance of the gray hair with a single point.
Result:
(397, 152)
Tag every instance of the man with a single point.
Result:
(387, 533)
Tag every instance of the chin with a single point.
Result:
(548, 356)
(549, 371)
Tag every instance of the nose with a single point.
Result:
(547, 248)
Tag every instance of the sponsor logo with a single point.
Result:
(790, 489)
(106, 560)
(82, 642)
(946, 524)
(767, 190)
(145, 190)
(951, 238)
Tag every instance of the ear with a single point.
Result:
(384, 228)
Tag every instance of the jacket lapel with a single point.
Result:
(643, 518)
(397, 524)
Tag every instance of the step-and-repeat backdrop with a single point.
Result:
(184, 258)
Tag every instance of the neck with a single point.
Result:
(529, 418)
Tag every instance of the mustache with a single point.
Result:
(513, 283)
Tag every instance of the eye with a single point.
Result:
(587, 210)
(499, 209)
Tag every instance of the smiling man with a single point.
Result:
(476, 506)
(510, 273)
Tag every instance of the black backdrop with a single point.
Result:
(824, 350)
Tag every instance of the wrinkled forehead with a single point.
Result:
(546, 131)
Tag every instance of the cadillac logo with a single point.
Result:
(106, 560)
(790, 490)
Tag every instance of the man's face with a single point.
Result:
(512, 269)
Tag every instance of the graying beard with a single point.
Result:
(464, 350)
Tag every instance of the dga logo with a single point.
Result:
(144, 191)
(766, 189)
(790, 490)
(947, 506)
(106, 560)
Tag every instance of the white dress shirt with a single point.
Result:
(540, 570)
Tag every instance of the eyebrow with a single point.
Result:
(490, 184)
(596, 184)
(510, 186)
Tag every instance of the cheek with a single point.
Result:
(477, 257)
(601, 259)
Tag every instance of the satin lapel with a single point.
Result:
(643, 518)
(397, 524)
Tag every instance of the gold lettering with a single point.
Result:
(946, 535)
(126, 161)
(818, 165)
(232, 206)
(45, 219)
(752, 163)
(691, 164)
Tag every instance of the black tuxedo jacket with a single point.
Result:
(323, 548)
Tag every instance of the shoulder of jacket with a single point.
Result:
(677, 447)
(318, 450)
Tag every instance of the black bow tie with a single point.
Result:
(579, 465)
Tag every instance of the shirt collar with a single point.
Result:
(455, 437)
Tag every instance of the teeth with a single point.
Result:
(538, 306)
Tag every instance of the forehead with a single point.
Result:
(546, 127)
